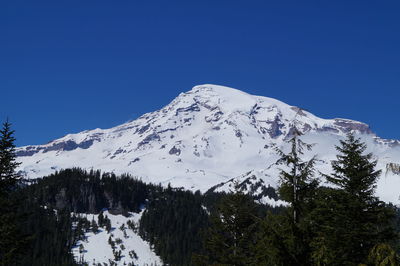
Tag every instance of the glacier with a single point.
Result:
(207, 137)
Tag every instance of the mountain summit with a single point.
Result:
(204, 138)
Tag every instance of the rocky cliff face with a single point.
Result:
(205, 137)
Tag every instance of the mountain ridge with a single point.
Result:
(194, 141)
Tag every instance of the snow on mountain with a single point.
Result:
(252, 183)
(97, 248)
(206, 137)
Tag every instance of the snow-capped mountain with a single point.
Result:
(206, 137)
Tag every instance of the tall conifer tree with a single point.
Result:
(297, 184)
(284, 238)
(8, 177)
(350, 220)
(11, 240)
(231, 235)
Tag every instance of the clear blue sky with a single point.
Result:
(67, 66)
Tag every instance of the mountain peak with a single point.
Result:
(226, 98)
(219, 89)
(205, 136)
(229, 99)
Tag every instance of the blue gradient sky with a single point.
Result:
(67, 66)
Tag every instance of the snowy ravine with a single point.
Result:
(206, 137)
(96, 247)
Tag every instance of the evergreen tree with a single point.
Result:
(297, 185)
(231, 235)
(8, 177)
(383, 255)
(172, 223)
(94, 226)
(354, 171)
(107, 224)
(350, 220)
(101, 219)
(285, 238)
(276, 241)
(11, 240)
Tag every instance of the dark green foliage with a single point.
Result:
(284, 238)
(12, 241)
(50, 232)
(277, 243)
(231, 236)
(383, 255)
(396, 224)
(100, 219)
(297, 185)
(349, 219)
(51, 236)
(29, 233)
(328, 226)
(117, 255)
(132, 254)
(71, 190)
(172, 222)
(345, 225)
(94, 226)
(354, 172)
(90, 192)
(8, 177)
(329, 240)
(107, 224)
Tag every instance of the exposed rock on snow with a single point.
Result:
(207, 136)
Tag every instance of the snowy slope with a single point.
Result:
(96, 248)
(205, 137)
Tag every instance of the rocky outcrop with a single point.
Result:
(393, 168)
(210, 129)
(174, 151)
(68, 145)
(348, 125)
(276, 125)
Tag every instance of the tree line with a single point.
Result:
(342, 224)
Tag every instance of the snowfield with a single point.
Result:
(206, 137)
(96, 247)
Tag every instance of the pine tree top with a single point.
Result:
(354, 171)
(8, 164)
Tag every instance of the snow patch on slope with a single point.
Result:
(98, 250)
(205, 137)
(253, 184)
